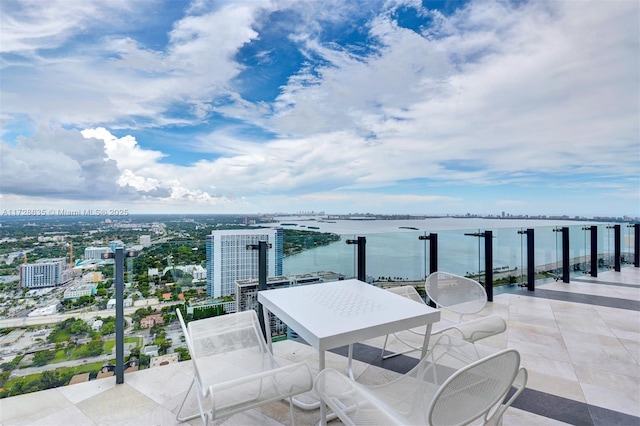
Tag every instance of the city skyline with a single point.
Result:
(401, 107)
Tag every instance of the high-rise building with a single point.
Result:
(44, 273)
(228, 259)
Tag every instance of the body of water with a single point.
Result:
(394, 250)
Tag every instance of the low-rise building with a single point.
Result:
(111, 304)
(92, 277)
(48, 310)
(151, 350)
(79, 290)
(247, 293)
(96, 325)
(151, 320)
(161, 360)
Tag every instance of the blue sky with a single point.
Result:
(397, 106)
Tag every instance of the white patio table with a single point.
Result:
(339, 313)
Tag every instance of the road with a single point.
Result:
(73, 363)
(85, 315)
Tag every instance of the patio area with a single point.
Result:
(580, 342)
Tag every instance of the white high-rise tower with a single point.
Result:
(229, 260)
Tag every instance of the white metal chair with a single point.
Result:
(451, 385)
(233, 369)
(458, 295)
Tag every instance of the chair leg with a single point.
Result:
(495, 419)
(201, 414)
(291, 410)
(413, 348)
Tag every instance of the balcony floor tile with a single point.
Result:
(583, 359)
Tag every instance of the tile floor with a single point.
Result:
(583, 361)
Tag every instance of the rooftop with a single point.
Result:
(580, 342)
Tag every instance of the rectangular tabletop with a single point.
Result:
(338, 313)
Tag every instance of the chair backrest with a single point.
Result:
(185, 331)
(238, 332)
(474, 390)
(407, 291)
(455, 293)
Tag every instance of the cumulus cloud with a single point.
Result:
(529, 93)
(58, 163)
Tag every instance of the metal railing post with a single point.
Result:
(531, 262)
(617, 249)
(593, 249)
(433, 251)
(636, 245)
(119, 282)
(488, 261)
(433, 256)
(565, 254)
(262, 247)
(361, 242)
(488, 264)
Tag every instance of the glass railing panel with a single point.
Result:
(337, 256)
(461, 252)
(389, 256)
(548, 253)
(396, 256)
(627, 244)
(509, 256)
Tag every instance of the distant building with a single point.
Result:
(151, 320)
(49, 310)
(247, 293)
(95, 253)
(44, 273)
(145, 240)
(150, 350)
(158, 361)
(79, 378)
(229, 307)
(111, 304)
(92, 277)
(113, 245)
(96, 325)
(228, 259)
(77, 291)
(196, 271)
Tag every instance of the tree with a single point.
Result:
(94, 348)
(108, 328)
(52, 379)
(184, 354)
(43, 357)
(163, 345)
(79, 327)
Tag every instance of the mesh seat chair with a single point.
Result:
(458, 295)
(234, 370)
(451, 385)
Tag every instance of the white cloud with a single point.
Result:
(29, 25)
(499, 92)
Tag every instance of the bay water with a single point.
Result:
(394, 250)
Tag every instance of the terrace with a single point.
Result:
(578, 334)
(580, 342)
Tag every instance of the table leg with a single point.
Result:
(265, 315)
(425, 343)
(349, 363)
